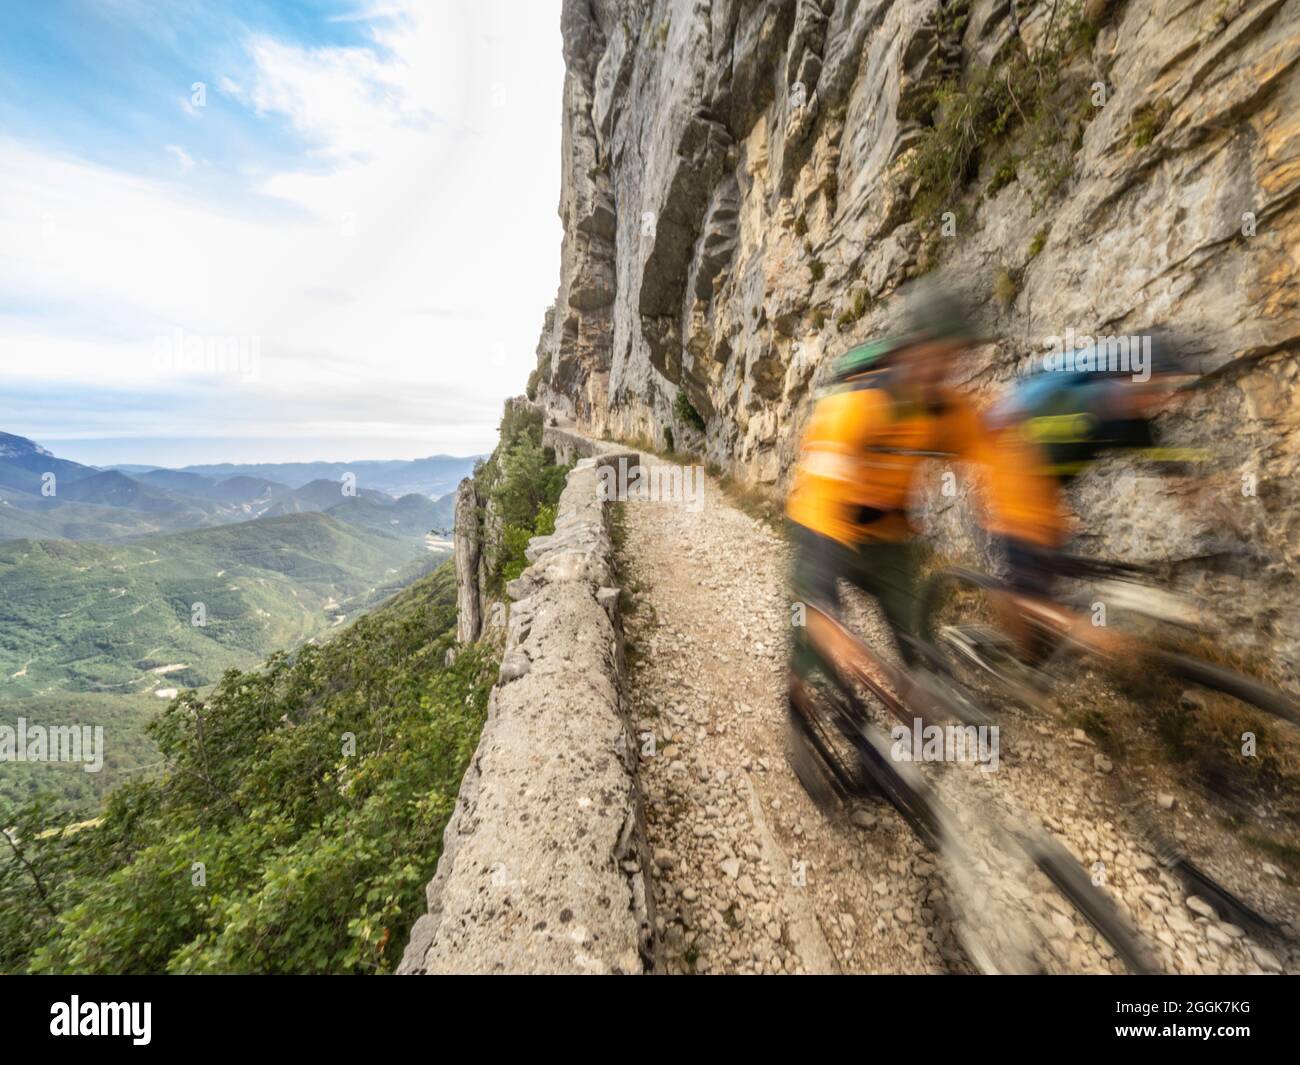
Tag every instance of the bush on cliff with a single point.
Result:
(300, 815)
(522, 484)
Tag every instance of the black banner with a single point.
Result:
(149, 1014)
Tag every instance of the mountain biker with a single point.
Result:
(887, 410)
(1047, 430)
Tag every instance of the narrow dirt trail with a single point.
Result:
(751, 877)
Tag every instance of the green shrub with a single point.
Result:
(1147, 121)
(855, 310)
(1014, 101)
(514, 540)
(686, 411)
(268, 844)
(529, 479)
(1003, 176)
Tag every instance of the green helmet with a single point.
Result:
(864, 357)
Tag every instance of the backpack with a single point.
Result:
(1066, 415)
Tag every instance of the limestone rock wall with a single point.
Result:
(469, 617)
(739, 205)
(544, 864)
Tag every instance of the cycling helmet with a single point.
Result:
(865, 357)
(934, 314)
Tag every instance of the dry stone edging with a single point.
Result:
(545, 864)
(569, 445)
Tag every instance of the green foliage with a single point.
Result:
(818, 269)
(515, 539)
(1036, 245)
(855, 310)
(88, 617)
(313, 854)
(685, 411)
(522, 481)
(127, 749)
(1146, 122)
(518, 423)
(524, 496)
(1004, 287)
(1013, 102)
(1003, 176)
(88, 632)
(529, 480)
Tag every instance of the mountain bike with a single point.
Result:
(963, 629)
(840, 754)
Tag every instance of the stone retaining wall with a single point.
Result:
(544, 867)
(570, 445)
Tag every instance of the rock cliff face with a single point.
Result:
(749, 187)
(469, 619)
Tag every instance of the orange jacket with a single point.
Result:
(860, 456)
(1022, 499)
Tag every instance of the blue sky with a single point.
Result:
(274, 231)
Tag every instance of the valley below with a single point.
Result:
(120, 590)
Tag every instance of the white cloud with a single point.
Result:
(182, 156)
(415, 262)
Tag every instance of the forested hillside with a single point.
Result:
(298, 807)
(300, 814)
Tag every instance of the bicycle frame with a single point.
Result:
(851, 660)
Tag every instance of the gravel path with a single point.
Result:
(751, 877)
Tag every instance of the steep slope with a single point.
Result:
(316, 787)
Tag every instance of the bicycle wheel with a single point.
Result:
(811, 760)
(1071, 881)
(1252, 693)
(1221, 679)
(979, 850)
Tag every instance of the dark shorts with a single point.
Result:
(1031, 570)
(887, 571)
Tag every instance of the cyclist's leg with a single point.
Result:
(887, 571)
(1031, 579)
(818, 565)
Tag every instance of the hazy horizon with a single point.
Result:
(242, 451)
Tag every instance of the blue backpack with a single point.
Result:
(1066, 413)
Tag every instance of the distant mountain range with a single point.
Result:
(433, 476)
(106, 574)
(43, 496)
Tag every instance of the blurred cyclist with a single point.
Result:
(1048, 429)
(887, 410)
